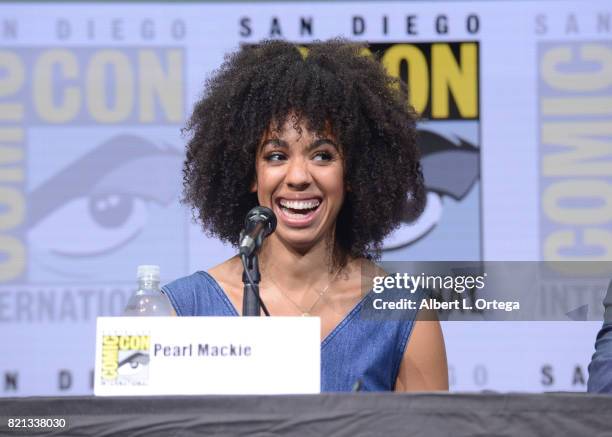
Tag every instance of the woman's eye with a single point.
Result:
(275, 157)
(323, 156)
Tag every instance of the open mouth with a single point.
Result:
(298, 210)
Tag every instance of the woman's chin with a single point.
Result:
(299, 240)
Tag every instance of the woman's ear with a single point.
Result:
(254, 186)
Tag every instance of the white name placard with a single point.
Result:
(207, 355)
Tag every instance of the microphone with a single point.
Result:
(258, 224)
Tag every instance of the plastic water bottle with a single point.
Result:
(148, 299)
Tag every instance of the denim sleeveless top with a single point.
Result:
(367, 346)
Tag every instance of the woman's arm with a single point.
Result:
(423, 367)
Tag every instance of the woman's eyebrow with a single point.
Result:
(281, 144)
(321, 142)
(275, 142)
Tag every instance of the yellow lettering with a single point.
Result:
(588, 155)
(154, 82)
(14, 208)
(448, 77)
(565, 240)
(124, 343)
(583, 81)
(599, 238)
(14, 260)
(11, 134)
(44, 86)
(366, 52)
(11, 155)
(576, 106)
(11, 80)
(303, 51)
(418, 78)
(109, 356)
(583, 190)
(97, 90)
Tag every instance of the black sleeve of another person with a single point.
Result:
(600, 369)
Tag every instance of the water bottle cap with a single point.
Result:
(148, 272)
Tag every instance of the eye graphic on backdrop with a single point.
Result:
(449, 169)
(91, 225)
(101, 202)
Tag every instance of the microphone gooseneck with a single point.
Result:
(258, 224)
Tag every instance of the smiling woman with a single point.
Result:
(300, 176)
(324, 138)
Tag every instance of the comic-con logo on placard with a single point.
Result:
(95, 139)
(125, 360)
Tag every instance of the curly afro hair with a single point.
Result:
(332, 85)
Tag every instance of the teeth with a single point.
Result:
(293, 215)
(300, 204)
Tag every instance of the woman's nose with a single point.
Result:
(298, 176)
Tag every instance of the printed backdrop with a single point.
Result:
(516, 137)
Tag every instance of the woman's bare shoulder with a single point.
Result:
(228, 272)
(424, 366)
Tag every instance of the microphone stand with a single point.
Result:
(250, 278)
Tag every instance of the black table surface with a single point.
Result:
(351, 414)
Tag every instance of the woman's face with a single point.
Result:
(300, 176)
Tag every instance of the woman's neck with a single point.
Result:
(294, 269)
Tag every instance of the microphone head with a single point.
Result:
(261, 214)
